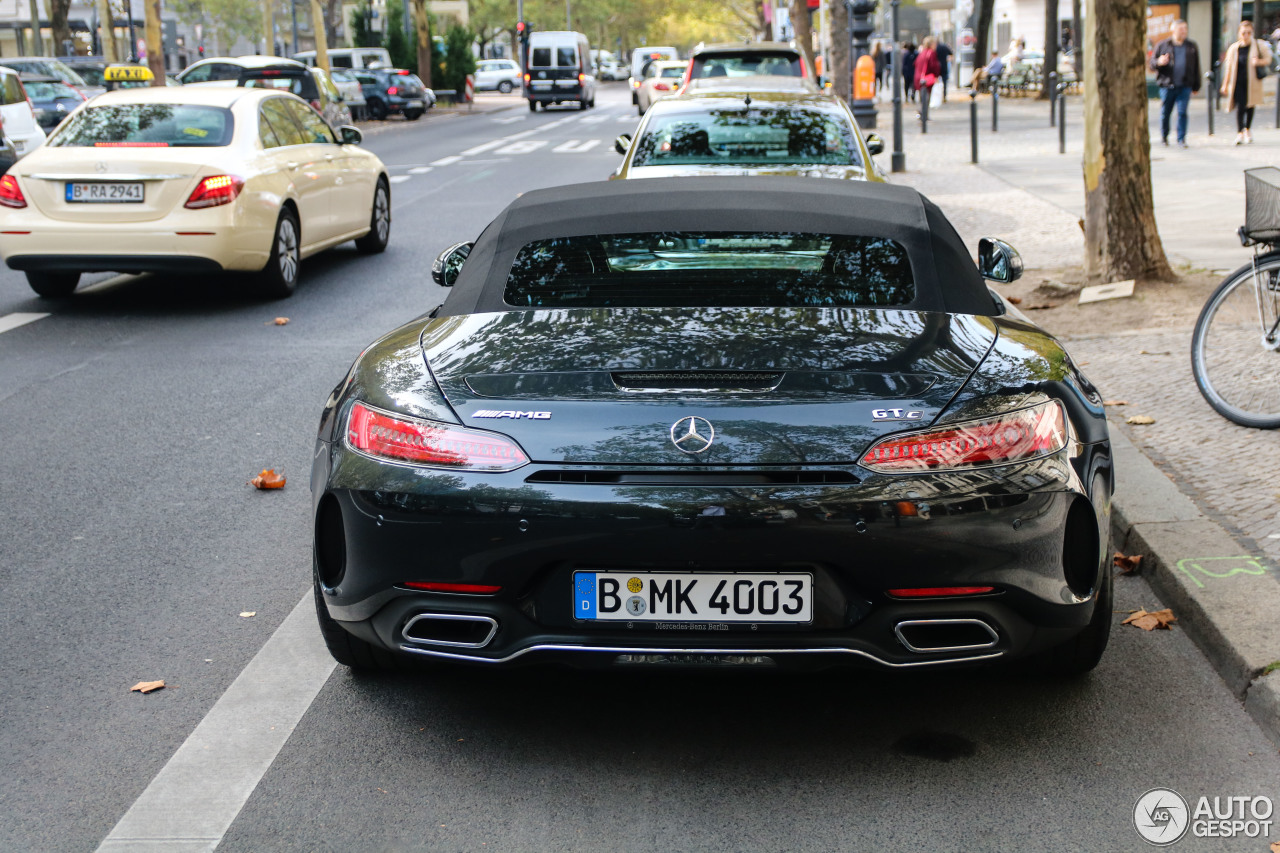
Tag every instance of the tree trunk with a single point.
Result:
(107, 33)
(804, 32)
(981, 34)
(422, 26)
(841, 75)
(1052, 35)
(36, 38)
(155, 43)
(268, 29)
(332, 11)
(322, 41)
(58, 26)
(1120, 236)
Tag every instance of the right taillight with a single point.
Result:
(11, 193)
(393, 90)
(1012, 437)
(400, 438)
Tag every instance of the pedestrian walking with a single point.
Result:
(926, 67)
(944, 63)
(878, 55)
(1176, 61)
(1244, 66)
(909, 69)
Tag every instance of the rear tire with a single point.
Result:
(533, 105)
(505, 87)
(375, 242)
(639, 109)
(413, 115)
(377, 109)
(53, 285)
(582, 105)
(347, 649)
(280, 276)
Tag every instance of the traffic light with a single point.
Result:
(523, 28)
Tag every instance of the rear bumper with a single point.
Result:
(114, 263)
(575, 93)
(34, 242)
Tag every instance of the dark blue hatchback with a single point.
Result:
(390, 91)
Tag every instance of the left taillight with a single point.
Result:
(215, 190)
(11, 193)
(421, 442)
(1012, 437)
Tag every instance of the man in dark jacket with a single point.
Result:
(1176, 61)
(944, 59)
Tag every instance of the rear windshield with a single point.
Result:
(711, 269)
(303, 87)
(747, 64)
(146, 125)
(541, 57)
(90, 75)
(749, 137)
(43, 91)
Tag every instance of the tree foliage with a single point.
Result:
(457, 61)
(224, 21)
(361, 25)
(403, 54)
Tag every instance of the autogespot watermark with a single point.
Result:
(1162, 817)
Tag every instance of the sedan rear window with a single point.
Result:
(747, 64)
(749, 137)
(46, 91)
(146, 125)
(711, 269)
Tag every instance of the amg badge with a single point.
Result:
(493, 413)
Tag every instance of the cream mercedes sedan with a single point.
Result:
(183, 180)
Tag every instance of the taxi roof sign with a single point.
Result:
(127, 74)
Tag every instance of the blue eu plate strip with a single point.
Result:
(584, 595)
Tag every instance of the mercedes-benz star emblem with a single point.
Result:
(100, 166)
(692, 434)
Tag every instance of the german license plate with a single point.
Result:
(105, 192)
(413, 105)
(685, 597)
(542, 84)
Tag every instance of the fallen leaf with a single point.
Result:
(1150, 621)
(282, 321)
(1041, 306)
(1115, 402)
(1136, 420)
(1144, 352)
(245, 614)
(1275, 847)
(1016, 300)
(147, 686)
(1126, 565)
(268, 479)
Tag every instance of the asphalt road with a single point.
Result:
(136, 411)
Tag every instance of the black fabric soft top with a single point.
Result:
(945, 275)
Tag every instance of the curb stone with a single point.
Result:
(1219, 590)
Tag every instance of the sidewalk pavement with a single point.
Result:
(1198, 496)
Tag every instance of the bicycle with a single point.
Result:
(1235, 349)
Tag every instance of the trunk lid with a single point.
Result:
(792, 386)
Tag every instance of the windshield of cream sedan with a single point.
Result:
(800, 135)
(146, 126)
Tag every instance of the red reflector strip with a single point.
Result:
(130, 145)
(15, 232)
(1020, 435)
(406, 439)
(466, 588)
(194, 233)
(939, 591)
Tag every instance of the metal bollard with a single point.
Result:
(1211, 89)
(995, 104)
(924, 110)
(1062, 119)
(973, 126)
(1277, 102)
(1053, 96)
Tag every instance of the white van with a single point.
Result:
(559, 70)
(640, 59)
(350, 57)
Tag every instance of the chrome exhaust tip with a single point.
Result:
(459, 630)
(924, 636)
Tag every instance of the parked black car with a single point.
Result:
(392, 91)
(52, 99)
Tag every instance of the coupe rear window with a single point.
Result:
(146, 125)
(711, 269)
(747, 64)
(749, 137)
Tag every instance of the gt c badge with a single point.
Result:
(494, 413)
(895, 415)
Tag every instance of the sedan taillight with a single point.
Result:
(403, 439)
(11, 193)
(215, 190)
(393, 90)
(1013, 437)
(661, 87)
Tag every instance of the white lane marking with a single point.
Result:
(596, 119)
(524, 146)
(628, 118)
(521, 135)
(446, 161)
(195, 797)
(480, 149)
(510, 119)
(419, 170)
(13, 321)
(399, 179)
(574, 146)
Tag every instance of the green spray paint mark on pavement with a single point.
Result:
(1219, 567)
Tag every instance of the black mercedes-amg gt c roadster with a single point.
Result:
(716, 422)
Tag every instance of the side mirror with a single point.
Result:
(622, 144)
(350, 135)
(448, 264)
(998, 261)
(874, 144)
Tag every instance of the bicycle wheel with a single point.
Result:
(1235, 351)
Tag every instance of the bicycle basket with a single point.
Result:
(1262, 205)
